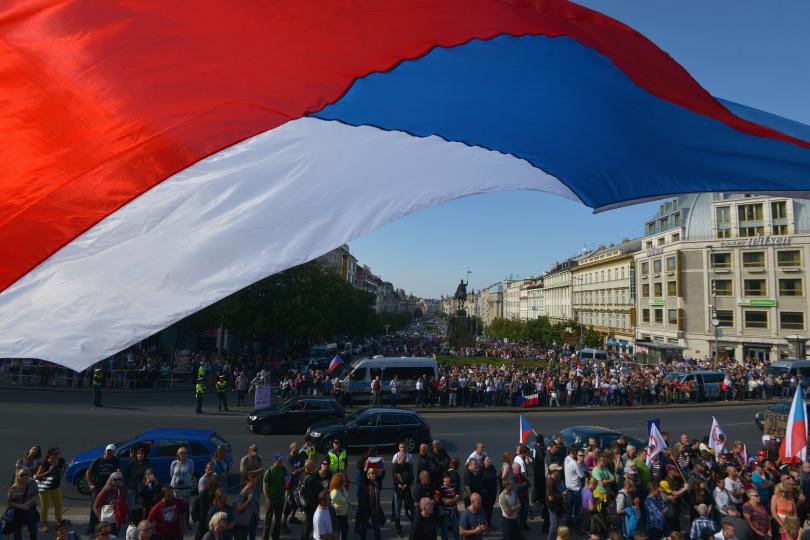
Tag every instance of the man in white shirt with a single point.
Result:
(733, 486)
(522, 458)
(404, 451)
(728, 532)
(478, 455)
(574, 473)
(322, 521)
(721, 497)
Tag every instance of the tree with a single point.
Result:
(302, 304)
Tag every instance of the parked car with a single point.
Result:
(579, 435)
(795, 367)
(378, 426)
(708, 384)
(294, 415)
(162, 445)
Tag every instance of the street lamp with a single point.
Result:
(713, 306)
(578, 313)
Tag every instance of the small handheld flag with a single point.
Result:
(336, 362)
(526, 429)
(795, 443)
(656, 445)
(717, 438)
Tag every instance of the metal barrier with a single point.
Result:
(28, 375)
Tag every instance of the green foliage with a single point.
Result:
(305, 303)
(542, 331)
(478, 360)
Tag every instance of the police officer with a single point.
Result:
(309, 448)
(337, 458)
(199, 391)
(222, 393)
(98, 383)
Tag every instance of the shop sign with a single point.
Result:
(656, 301)
(757, 241)
(756, 302)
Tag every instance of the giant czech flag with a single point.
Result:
(158, 156)
(795, 443)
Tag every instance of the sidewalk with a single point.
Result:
(430, 409)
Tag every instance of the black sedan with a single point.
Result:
(379, 426)
(579, 435)
(293, 416)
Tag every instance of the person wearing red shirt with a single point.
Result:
(169, 515)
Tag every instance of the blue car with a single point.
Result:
(162, 444)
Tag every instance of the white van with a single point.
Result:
(364, 370)
(595, 355)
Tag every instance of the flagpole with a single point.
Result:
(677, 466)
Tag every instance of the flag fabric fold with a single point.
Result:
(336, 362)
(525, 429)
(656, 444)
(794, 445)
(717, 437)
(532, 400)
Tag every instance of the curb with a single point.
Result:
(430, 410)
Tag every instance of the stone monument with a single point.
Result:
(460, 327)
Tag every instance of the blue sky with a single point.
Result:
(752, 52)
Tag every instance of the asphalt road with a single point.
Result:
(66, 419)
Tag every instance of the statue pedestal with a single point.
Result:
(461, 331)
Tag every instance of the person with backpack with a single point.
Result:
(626, 510)
(376, 390)
(393, 386)
(313, 484)
(273, 487)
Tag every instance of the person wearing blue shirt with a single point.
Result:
(655, 513)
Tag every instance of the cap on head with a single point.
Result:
(110, 448)
(277, 456)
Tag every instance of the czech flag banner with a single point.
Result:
(795, 444)
(336, 362)
(375, 462)
(526, 429)
(528, 401)
(234, 140)
(657, 443)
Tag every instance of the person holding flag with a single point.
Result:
(794, 447)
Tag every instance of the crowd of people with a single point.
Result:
(559, 375)
(686, 492)
(565, 379)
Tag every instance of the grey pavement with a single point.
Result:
(67, 419)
